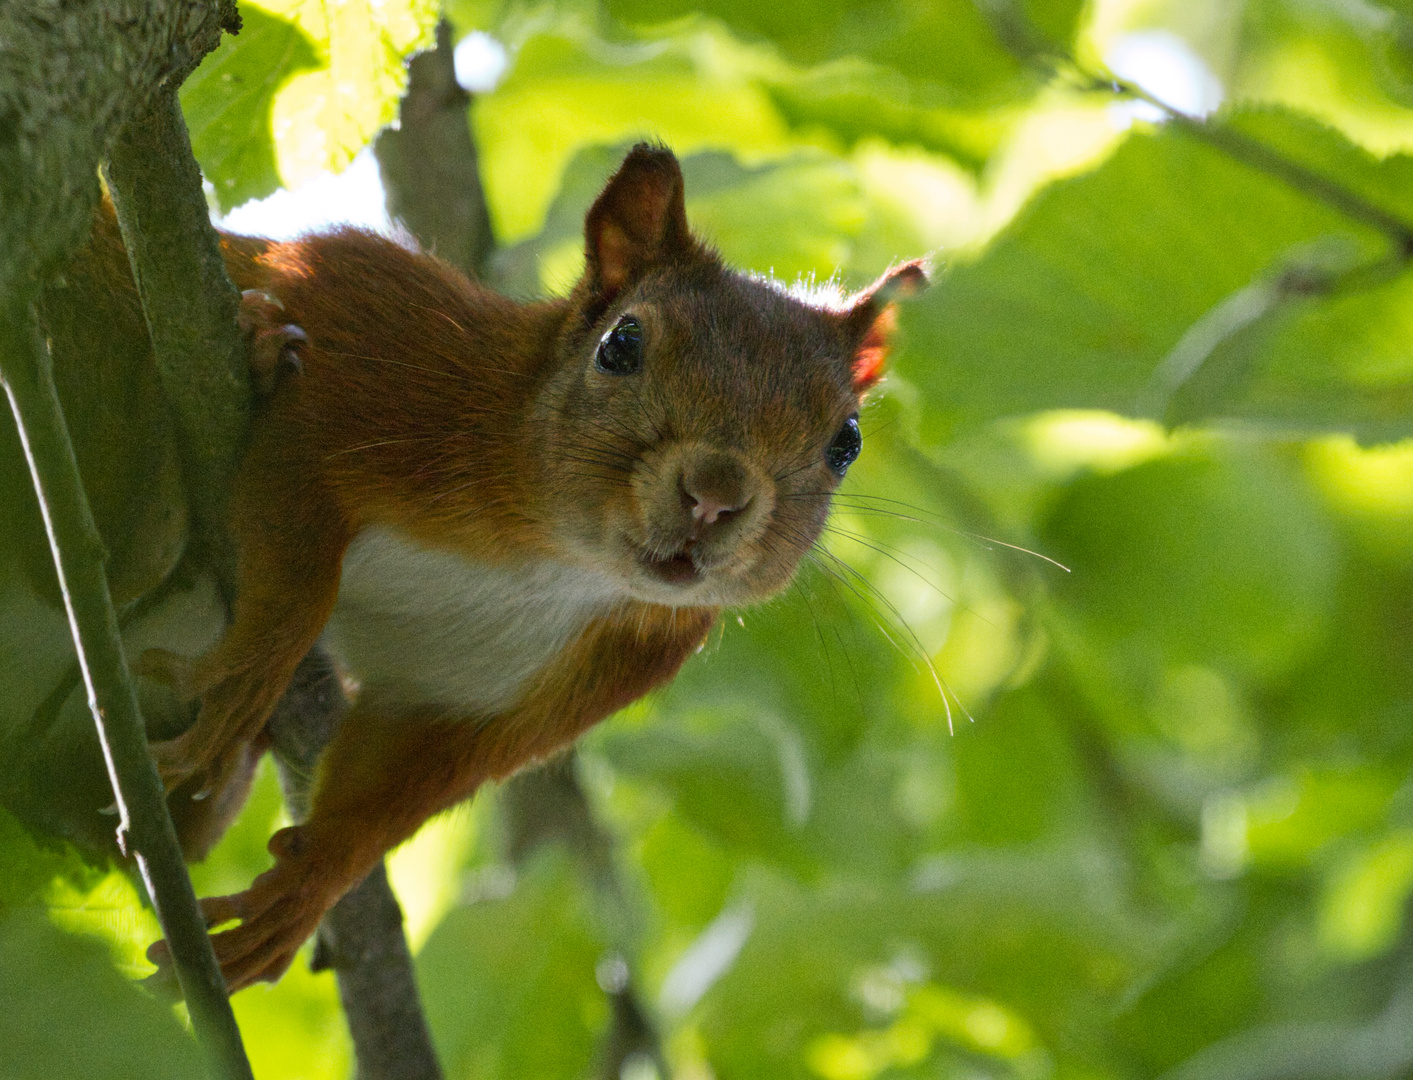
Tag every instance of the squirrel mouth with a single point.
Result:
(678, 569)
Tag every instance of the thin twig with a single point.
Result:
(547, 804)
(145, 828)
(1243, 148)
(1019, 35)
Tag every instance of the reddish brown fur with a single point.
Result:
(479, 426)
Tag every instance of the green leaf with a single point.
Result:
(65, 1012)
(1188, 559)
(1362, 912)
(1294, 819)
(1347, 65)
(322, 118)
(728, 782)
(820, 199)
(978, 53)
(568, 91)
(1385, 183)
(31, 869)
(509, 984)
(229, 99)
(1173, 279)
(1018, 777)
(854, 101)
(1029, 931)
(787, 219)
(296, 1028)
(685, 900)
(300, 90)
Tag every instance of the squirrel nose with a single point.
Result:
(707, 510)
(713, 489)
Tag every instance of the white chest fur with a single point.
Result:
(428, 627)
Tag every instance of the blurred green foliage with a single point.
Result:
(945, 808)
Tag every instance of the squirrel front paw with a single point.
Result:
(272, 343)
(277, 914)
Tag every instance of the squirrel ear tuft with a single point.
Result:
(873, 316)
(638, 220)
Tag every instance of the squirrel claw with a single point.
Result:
(277, 914)
(272, 345)
(221, 909)
(185, 767)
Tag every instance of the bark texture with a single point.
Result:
(73, 73)
(430, 166)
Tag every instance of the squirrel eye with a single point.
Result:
(841, 453)
(620, 351)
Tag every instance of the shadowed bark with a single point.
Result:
(190, 305)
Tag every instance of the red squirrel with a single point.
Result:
(506, 520)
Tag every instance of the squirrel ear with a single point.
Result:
(639, 219)
(873, 316)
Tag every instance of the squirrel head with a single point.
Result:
(698, 419)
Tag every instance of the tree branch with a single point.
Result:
(430, 166)
(73, 73)
(363, 941)
(547, 804)
(1027, 44)
(190, 305)
(145, 829)
(361, 938)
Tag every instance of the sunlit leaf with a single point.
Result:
(509, 984)
(296, 1028)
(1346, 65)
(853, 102)
(64, 1011)
(976, 52)
(229, 99)
(564, 94)
(322, 117)
(1141, 543)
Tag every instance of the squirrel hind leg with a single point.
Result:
(173, 670)
(273, 344)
